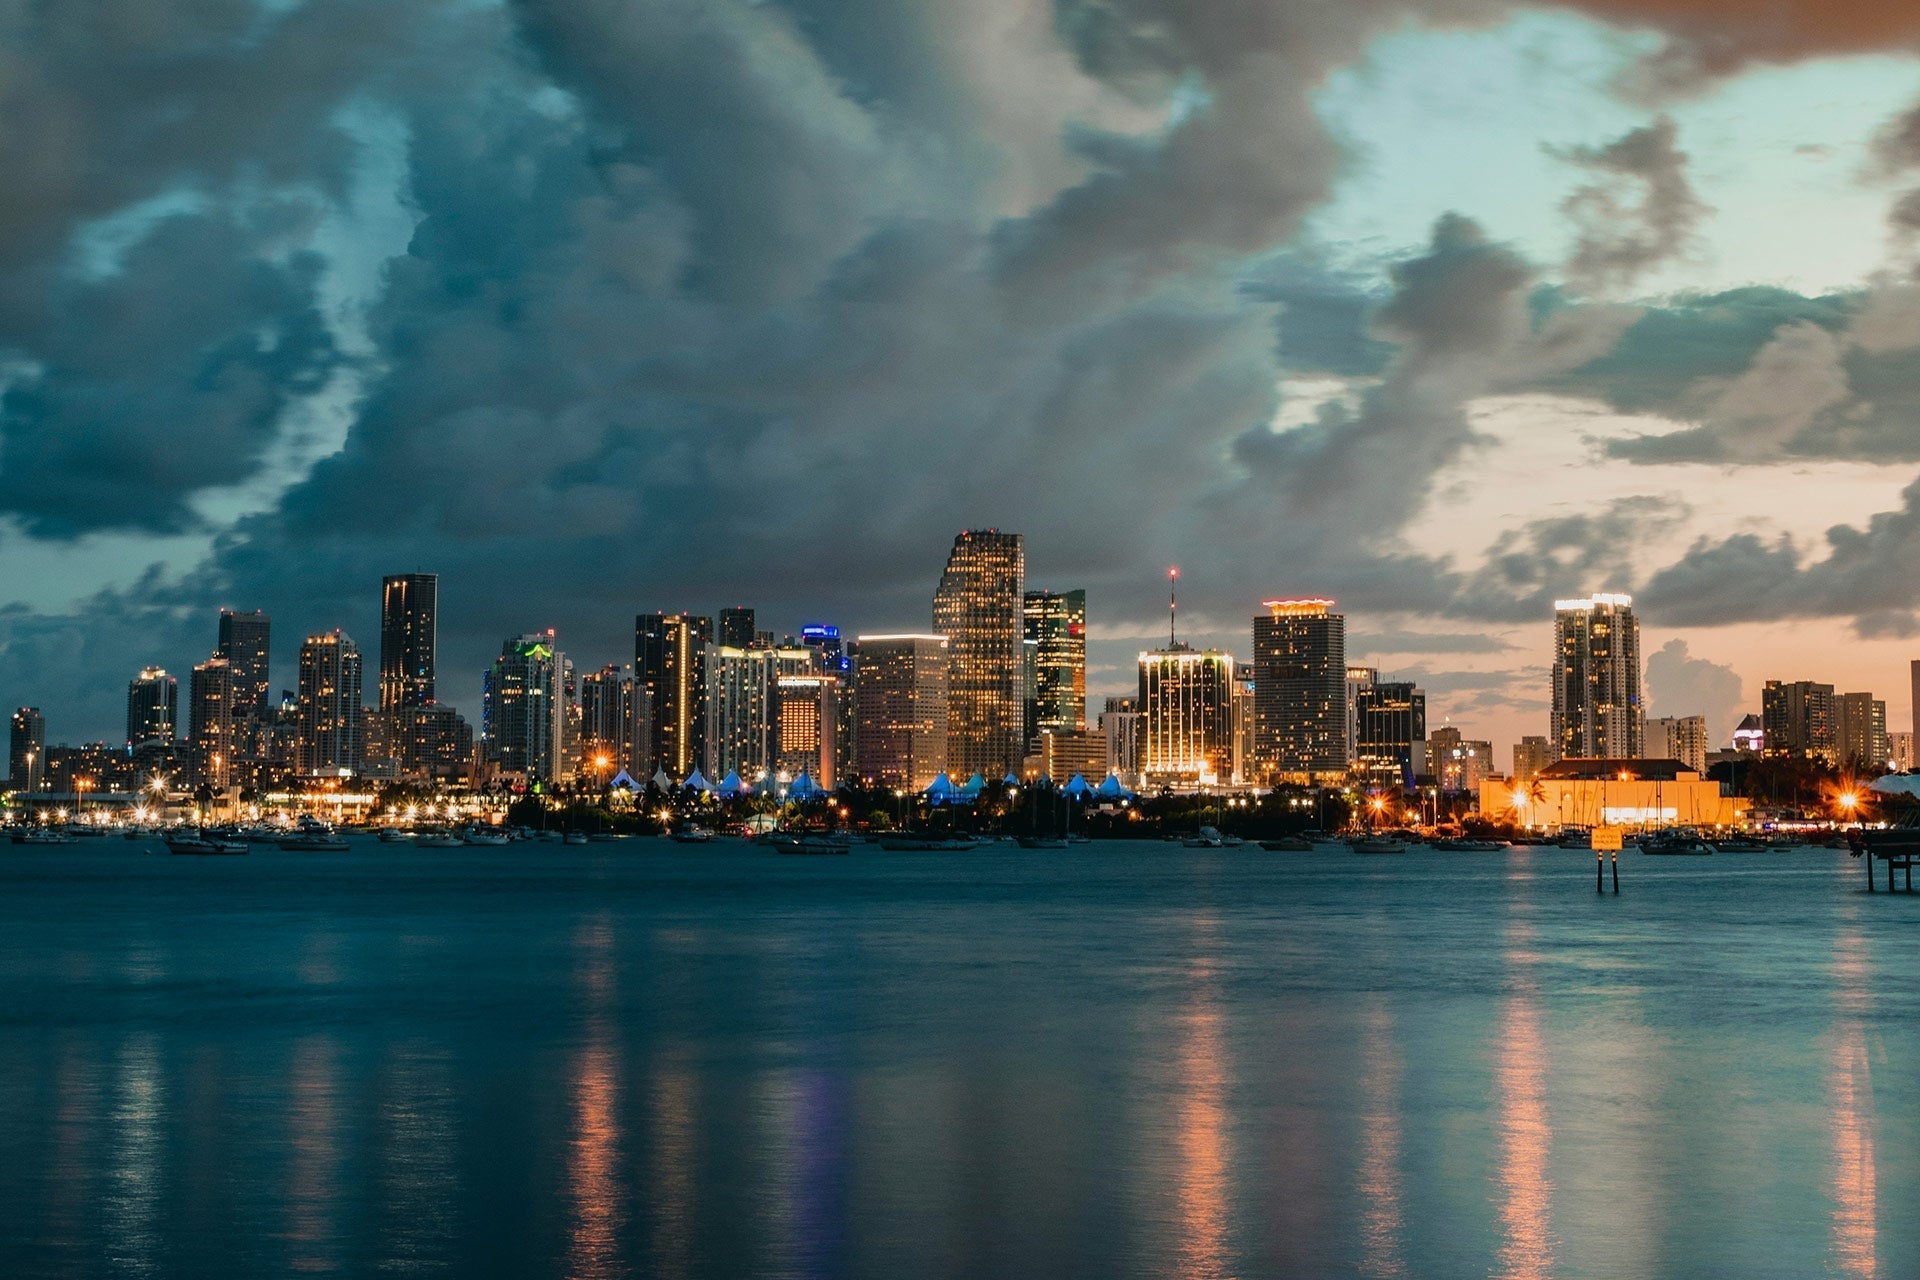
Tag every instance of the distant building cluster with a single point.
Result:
(996, 687)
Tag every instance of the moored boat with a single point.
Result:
(203, 843)
(1379, 844)
(1288, 844)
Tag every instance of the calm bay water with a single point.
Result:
(1119, 1060)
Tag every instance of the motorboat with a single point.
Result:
(1740, 844)
(490, 836)
(1464, 845)
(690, 833)
(395, 835)
(1043, 842)
(1288, 844)
(438, 838)
(1675, 844)
(1205, 838)
(808, 842)
(203, 843)
(927, 842)
(43, 836)
(574, 837)
(314, 838)
(1379, 844)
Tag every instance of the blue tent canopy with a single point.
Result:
(661, 780)
(804, 787)
(1111, 789)
(940, 790)
(624, 779)
(731, 784)
(1078, 787)
(1010, 780)
(697, 781)
(974, 785)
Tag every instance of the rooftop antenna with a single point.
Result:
(1173, 575)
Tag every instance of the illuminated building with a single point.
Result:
(1054, 629)
(409, 632)
(807, 713)
(211, 720)
(739, 704)
(1120, 727)
(430, 742)
(152, 707)
(1682, 738)
(1532, 754)
(1061, 754)
(831, 658)
(1390, 717)
(1597, 707)
(901, 699)
(524, 712)
(978, 608)
(736, 628)
(27, 750)
(331, 733)
(1860, 731)
(1796, 720)
(1900, 750)
(244, 640)
(1359, 680)
(612, 725)
(669, 662)
(1186, 710)
(1458, 763)
(1749, 736)
(1300, 684)
(1630, 793)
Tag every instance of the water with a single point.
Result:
(1117, 1060)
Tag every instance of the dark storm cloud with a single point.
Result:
(1625, 234)
(1745, 578)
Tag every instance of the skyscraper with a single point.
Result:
(153, 699)
(332, 736)
(1531, 755)
(978, 609)
(524, 711)
(1682, 738)
(1797, 721)
(607, 724)
(1300, 690)
(1860, 730)
(1597, 708)
(210, 720)
(1054, 625)
(27, 750)
(1186, 713)
(902, 702)
(736, 627)
(739, 705)
(669, 662)
(1390, 719)
(244, 640)
(409, 631)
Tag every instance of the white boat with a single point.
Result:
(927, 842)
(203, 843)
(1379, 844)
(43, 836)
(485, 836)
(574, 837)
(1205, 838)
(395, 835)
(691, 833)
(438, 838)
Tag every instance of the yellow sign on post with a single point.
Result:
(1606, 839)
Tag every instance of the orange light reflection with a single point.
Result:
(1201, 1137)
(1855, 1184)
(1525, 1133)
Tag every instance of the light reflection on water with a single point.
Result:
(1128, 1063)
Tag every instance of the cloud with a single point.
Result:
(1679, 684)
(1621, 237)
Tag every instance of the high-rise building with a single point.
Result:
(431, 742)
(244, 641)
(1531, 755)
(902, 702)
(211, 696)
(736, 628)
(27, 751)
(1797, 721)
(1054, 632)
(1750, 735)
(524, 710)
(1598, 712)
(1900, 749)
(831, 658)
(1860, 730)
(739, 703)
(1186, 710)
(332, 735)
(1120, 726)
(1390, 717)
(1682, 738)
(669, 662)
(153, 699)
(608, 724)
(806, 713)
(409, 635)
(1359, 680)
(978, 609)
(1300, 684)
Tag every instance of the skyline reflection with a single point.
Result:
(1382, 1221)
(1850, 1089)
(1523, 1128)
(593, 1243)
(1200, 1128)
